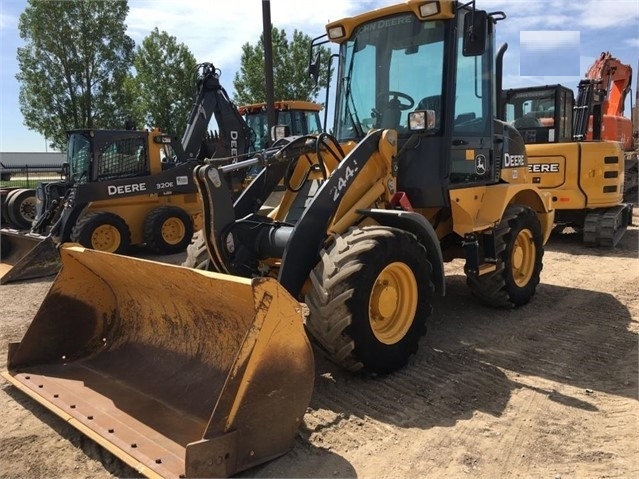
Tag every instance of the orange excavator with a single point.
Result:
(607, 83)
(610, 81)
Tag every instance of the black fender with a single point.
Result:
(419, 226)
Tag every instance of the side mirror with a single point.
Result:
(422, 120)
(280, 131)
(475, 26)
(66, 171)
(314, 68)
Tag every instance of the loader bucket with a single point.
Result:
(178, 372)
(27, 256)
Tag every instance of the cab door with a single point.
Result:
(472, 158)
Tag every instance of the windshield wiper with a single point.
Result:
(352, 114)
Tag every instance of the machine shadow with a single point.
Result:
(472, 357)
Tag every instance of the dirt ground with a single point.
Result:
(546, 391)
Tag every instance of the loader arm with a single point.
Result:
(238, 239)
(230, 228)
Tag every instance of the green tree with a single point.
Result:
(164, 83)
(290, 70)
(73, 65)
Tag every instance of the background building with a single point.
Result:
(20, 159)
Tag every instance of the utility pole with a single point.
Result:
(268, 64)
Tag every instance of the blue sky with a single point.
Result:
(216, 33)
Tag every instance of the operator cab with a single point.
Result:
(103, 155)
(300, 118)
(436, 57)
(541, 114)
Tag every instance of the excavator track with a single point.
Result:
(605, 227)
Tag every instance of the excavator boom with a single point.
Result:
(615, 77)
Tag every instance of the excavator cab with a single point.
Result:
(542, 114)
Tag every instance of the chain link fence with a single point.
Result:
(29, 176)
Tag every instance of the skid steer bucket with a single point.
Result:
(26, 256)
(178, 372)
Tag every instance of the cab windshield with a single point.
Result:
(78, 157)
(300, 122)
(377, 88)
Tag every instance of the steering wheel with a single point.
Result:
(396, 95)
(527, 122)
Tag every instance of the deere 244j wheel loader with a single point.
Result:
(181, 371)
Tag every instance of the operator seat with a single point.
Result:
(392, 115)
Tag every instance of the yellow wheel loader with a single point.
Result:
(301, 117)
(296, 117)
(124, 188)
(183, 372)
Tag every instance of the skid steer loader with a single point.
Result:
(124, 188)
(186, 372)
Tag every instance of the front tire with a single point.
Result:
(370, 297)
(102, 231)
(519, 249)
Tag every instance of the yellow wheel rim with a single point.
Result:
(173, 231)
(523, 257)
(393, 303)
(106, 238)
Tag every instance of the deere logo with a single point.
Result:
(124, 189)
(513, 161)
(544, 168)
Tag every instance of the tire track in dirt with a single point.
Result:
(490, 393)
(474, 361)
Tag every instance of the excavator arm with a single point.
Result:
(615, 79)
(599, 107)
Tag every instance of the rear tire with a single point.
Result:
(4, 201)
(102, 231)
(370, 297)
(168, 230)
(21, 208)
(519, 248)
